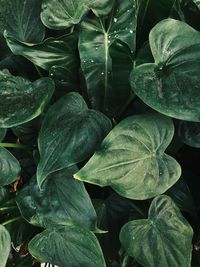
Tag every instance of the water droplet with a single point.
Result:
(96, 48)
(51, 74)
(109, 41)
(115, 19)
(92, 61)
(102, 73)
(131, 31)
(128, 10)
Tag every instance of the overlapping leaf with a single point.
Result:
(189, 132)
(165, 231)
(21, 19)
(61, 14)
(172, 84)
(61, 200)
(5, 244)
(59, 56)
(70, 133)
(96, 37)
(67, 246)
(22, 100)
(131, 158)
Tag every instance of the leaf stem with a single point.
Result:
(7, 208)
(11, 221)
(13, 145)
(72, 29)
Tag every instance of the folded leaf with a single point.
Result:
(22, 100)
(171, 85)
(96, 37)
(9, 167)
(61, 14)
(67, 246)
(70, 133)
(5, 245)
(59, 56)
(165, 231)
(61, 200)
(21, 19)
(131, 158)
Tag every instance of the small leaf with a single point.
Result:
(165, 231)
(61, 14)
(22, 100)
(171, 85)
(131, 158)
(21, 19)
(67, 246)
(61, 200)
(5, 244)
(59, 56)
(70, 133)
(9, 167)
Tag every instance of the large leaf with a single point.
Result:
(9, 167)
(171, 85)
(131, 158)
(59, 56)
(5, 244)
(70, 133)
(96, 37)
(165, 231)
(189, 132)
(61, 14)
(67, 246)
(62, 199)
(22, 100)
(21, 19)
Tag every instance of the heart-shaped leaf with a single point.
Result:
(131, 158)
(21, 19)
(60, 201)
(165, 231)
(5, 244)
(22, 100)
(67, 246)
(96, 38)
(59, 56)
(61, 14)
(9, 167)
(70, 133)
(171, 85)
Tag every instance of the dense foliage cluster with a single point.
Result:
(99, 133)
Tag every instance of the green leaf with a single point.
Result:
(59, 56)
(131, 158)
(189, 132)
(197, 2)
(70, 133)
(67, 246)
(165, 231)
(21, 19)
(22, 100)
(96, 37)
(61, 200)
(2, 133)
(61, 14)
(9, 167)
(5, 244)
(171, 85)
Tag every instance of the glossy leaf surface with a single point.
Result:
(96, 37)
(171, 85)
(131, 158)
(22, 100)
(165, 230)
(61, 14)
(70, 133)
(21, 19)
(59, 56)
(60, 201)
(79, 246)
